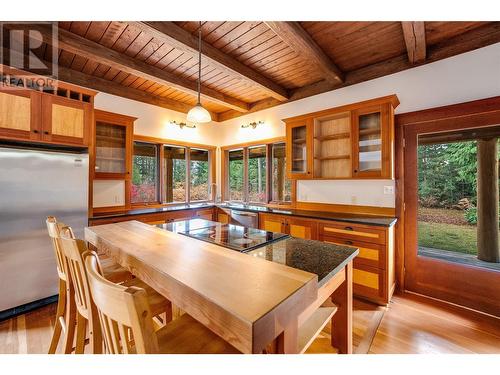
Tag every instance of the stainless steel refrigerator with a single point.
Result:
(33, 185)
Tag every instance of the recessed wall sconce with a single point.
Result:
(252, 125)
(183, 125)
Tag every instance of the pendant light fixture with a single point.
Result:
(198, 114)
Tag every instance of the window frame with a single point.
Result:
(268, 143)
(161, 190)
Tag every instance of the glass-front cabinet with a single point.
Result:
(348, 142)
(371, 142)
(299, 148)
(110, 148)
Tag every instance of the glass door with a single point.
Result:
(368, 141)
(299, 149)
(451, 192)
(110, 149)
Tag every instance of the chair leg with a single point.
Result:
(61, 310)
(70, 320)
(81, 332)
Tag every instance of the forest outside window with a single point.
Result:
(145, 173)
(257, 174)
(186, 173)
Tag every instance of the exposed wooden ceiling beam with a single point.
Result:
(110, 87)
(293, 34)
(94, 51)
(471, 40)
(176, 36)
(414, 34)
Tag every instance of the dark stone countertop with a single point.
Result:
(320, 258)
(381, 221)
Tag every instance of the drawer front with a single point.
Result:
(354, 232)
(369, 282)
(370, 254)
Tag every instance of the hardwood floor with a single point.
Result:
(411, 324)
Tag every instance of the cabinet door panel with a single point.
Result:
(272, 223)
(369, 282)
(299, 149)
(306, 229)
(20, 114)
(65, 121)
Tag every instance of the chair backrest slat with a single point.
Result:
(54, 228)
(124, 313)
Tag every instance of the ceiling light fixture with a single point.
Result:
(198, 114)
(183, 125)
(252, 125)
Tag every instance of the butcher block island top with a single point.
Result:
(248, 301)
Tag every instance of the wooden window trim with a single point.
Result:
(160, 142)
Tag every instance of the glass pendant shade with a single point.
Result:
(198, 115)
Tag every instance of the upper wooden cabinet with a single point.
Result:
(57, 114)
(352, 141)
(113, 144)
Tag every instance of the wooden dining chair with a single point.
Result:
(127, 326)
(66, 309)
(86, 318)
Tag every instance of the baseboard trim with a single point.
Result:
(27, 307)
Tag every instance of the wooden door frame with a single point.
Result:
(478, 113)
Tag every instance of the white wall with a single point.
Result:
(469, 76)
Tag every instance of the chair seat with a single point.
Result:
(113, 271)
(157, 303)
(185, 335)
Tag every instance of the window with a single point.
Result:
(248, 175)
(257, 172)
(174, 172)
(145, 173)
(281, 186)
(236, 173)
(199, 175)
(185, 173)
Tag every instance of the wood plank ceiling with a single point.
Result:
(248, 66)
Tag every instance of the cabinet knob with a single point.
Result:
(46, 132)
(348, 242)
(35, 131)
(348, 228)
(355, 171)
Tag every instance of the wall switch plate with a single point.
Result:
(388, 189)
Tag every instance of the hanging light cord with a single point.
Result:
(199, 63)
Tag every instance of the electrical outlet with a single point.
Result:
(388, 189)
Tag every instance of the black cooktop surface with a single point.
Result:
(234, 237)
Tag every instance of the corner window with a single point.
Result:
(257, 174)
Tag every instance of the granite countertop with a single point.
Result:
(352, 218)
(320, 258)
(382, 221)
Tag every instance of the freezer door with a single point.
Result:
(34, 185)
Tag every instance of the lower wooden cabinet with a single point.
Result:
(373, 268)
(296, 227)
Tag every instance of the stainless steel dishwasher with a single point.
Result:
(245, 218)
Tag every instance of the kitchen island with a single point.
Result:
(255, 304)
